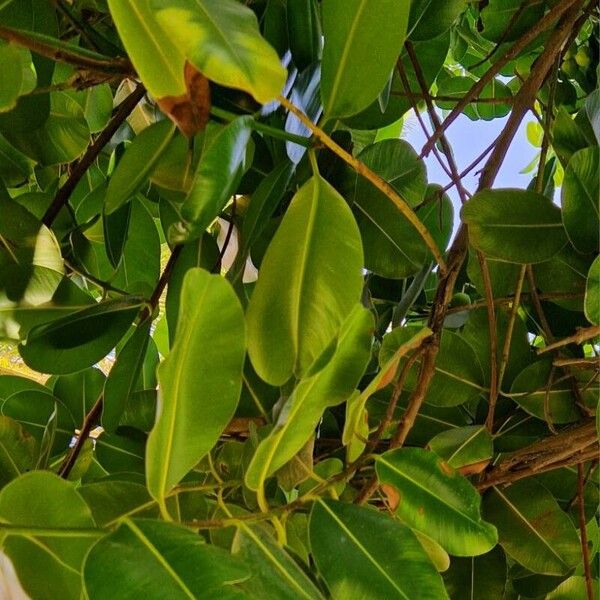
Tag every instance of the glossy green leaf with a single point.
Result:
(329, 386)
(18, 450)
(137, 163)
(463, 446)
(80, 339)
(111, 500)
(547, 395)
(15, 62)
(14, 165)
(156, 57)
(301, 299)
(429, 19)
(477, 578)
(514, 225)
(61, 139)
(458, 376)
(573, 588)
(508, 20)
(203, 253)
(78, 392)
(592, 293)
(218, 174)
(581, 200)
(47, 565)
(363, 553)
(436, 500)
(123, 376)
(532, 529)
(221, 39)
(199, 381)
(304, 32)
(17, 319)
(275, 574)
(351, 78)
(145, 556)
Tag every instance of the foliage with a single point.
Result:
(401, 403)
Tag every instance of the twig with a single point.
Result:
(582, 335)
(585, 551)
(79, 170)
(371, 176)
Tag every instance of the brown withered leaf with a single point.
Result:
(189, 111)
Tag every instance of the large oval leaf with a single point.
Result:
(221, 39)
(302, 297)
(145, 556)
(514, 225)
(156, 58)
(463, 446)
(218, 174)
(581, 200)
(592, 293)
(353, 78)
(437, 500)
(137, 164)
(199, 381)
(48, 565)
(300, 415)
(532, 528)
(80, 339)
(362, 553)
(275, 574)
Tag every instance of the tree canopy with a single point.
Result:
(268, 356)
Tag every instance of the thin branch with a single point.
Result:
(60, 52)
(371, 176)
(585, 551)
(583, 334)
(79, 170)
(442, 98)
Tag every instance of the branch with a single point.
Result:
(371, 176)
(582, 335)
(585, 551)
(571, 447)
(79, 170)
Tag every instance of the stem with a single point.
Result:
(79, 170)
(371, 176)
(585, 551)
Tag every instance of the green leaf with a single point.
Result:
(137, 163)
(329, 386)
(123, 376)
(274, 573)
(148, 557)
(111, 500)
(532, 528)
(477, 578)
(362, 553)
(48, 566)
(436, 500)
(218, 174)
(80, 339)
(16, 62)
(581, 200)
(458, 376)
(221, 39)
(429, 19)
(514, 225)
(571, 589)
(304, 32)
(302, 297)
(17, 319)
(156, 57)
(549, 398)
(351, 77)
(463, 446)
(199, 381)
(592, 293)
(61, 139)
(18, 450)
(78, 392)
